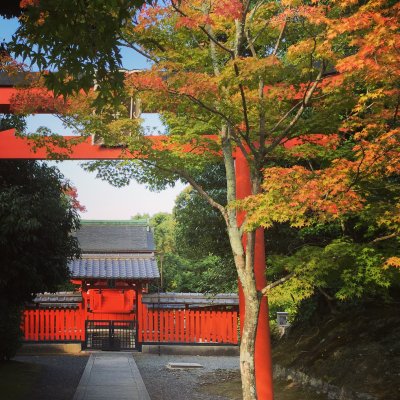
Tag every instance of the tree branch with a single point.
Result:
(141, 52)
(396, 111)
(213, 52)
(277, 282)
(229, 164)
(380, 239)
(325, 294)
(204, 194)
(200, 103)
(358, 172)
(183, 174)
(278, 42)
(285, 116)
(243, 225)
(304, 104)
(244, 102)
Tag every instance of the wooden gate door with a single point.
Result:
(110, 335)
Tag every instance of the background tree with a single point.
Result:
(201, 234)
(36, 218)
(192, 247)
(163, 225)
(200, 228)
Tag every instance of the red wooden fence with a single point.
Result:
(174, 326)
(53, 325)
(188, 326)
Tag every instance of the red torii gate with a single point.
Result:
(14, 147)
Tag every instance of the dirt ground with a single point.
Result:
(219, 379)
(228, 385)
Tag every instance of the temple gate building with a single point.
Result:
(111, 309)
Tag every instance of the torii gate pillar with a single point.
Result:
(263, 359)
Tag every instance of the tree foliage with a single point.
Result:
(77, 43)
(208, 274)
(12, 121)
(36, 218)
(11, 9)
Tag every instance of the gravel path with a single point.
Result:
(59, 375)
(165, 384)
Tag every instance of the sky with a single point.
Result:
(103, 201)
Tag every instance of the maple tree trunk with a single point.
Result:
(244, 265)
(248, 340)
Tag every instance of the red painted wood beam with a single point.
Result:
(14, 147)
(38, 100)
(79, 148)
(6, 95)
(31, 100)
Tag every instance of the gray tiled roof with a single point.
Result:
(18, 79)
(134, 266)
(58, 300)
(191, 299)
(115, 236)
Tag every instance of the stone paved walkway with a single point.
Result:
(111, 376)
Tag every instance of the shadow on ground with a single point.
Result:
(41, 377)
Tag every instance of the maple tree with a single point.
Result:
(357, 185)
(262, 74)
(72, 194)
(306, 91)
(366, 148)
